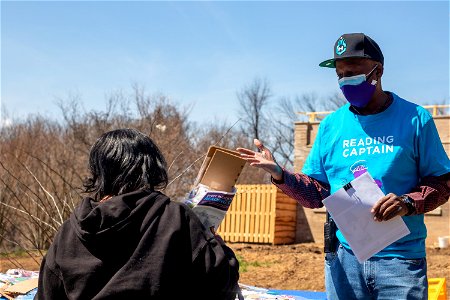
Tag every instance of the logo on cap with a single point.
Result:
(341, 46)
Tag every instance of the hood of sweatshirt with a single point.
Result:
(99, 225)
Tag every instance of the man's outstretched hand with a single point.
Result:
(262, 159)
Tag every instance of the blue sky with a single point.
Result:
(202, 53)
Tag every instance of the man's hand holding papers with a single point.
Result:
(388, 207)
(351, 208)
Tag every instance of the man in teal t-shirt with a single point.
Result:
(394, 140)
(396, 154)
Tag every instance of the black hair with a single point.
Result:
(122, 161)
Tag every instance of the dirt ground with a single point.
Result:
(300, 266)
(290, 267)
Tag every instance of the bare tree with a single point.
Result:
(287, 114)
(253, 100)
(43, 163)
(224, 135)
(310, 102)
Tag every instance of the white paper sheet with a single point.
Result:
(350, 209)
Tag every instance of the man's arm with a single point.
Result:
(308, 191)
(432, 192)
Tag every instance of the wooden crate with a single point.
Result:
(260, 213)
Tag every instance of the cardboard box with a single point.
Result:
(214, 188)
(220, 169)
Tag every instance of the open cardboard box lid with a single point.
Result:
(220, 169)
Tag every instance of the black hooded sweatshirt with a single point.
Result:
(138, 245)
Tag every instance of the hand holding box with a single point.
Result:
(214, 187)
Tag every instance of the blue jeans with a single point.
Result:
(376, 278)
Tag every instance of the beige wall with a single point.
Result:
(438, 222)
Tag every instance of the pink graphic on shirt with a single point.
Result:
(359, 168)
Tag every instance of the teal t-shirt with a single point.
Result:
(397, 147)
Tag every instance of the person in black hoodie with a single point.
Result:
(129, 241)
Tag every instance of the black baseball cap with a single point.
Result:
(354, 45)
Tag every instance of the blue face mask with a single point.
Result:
(357, 90)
